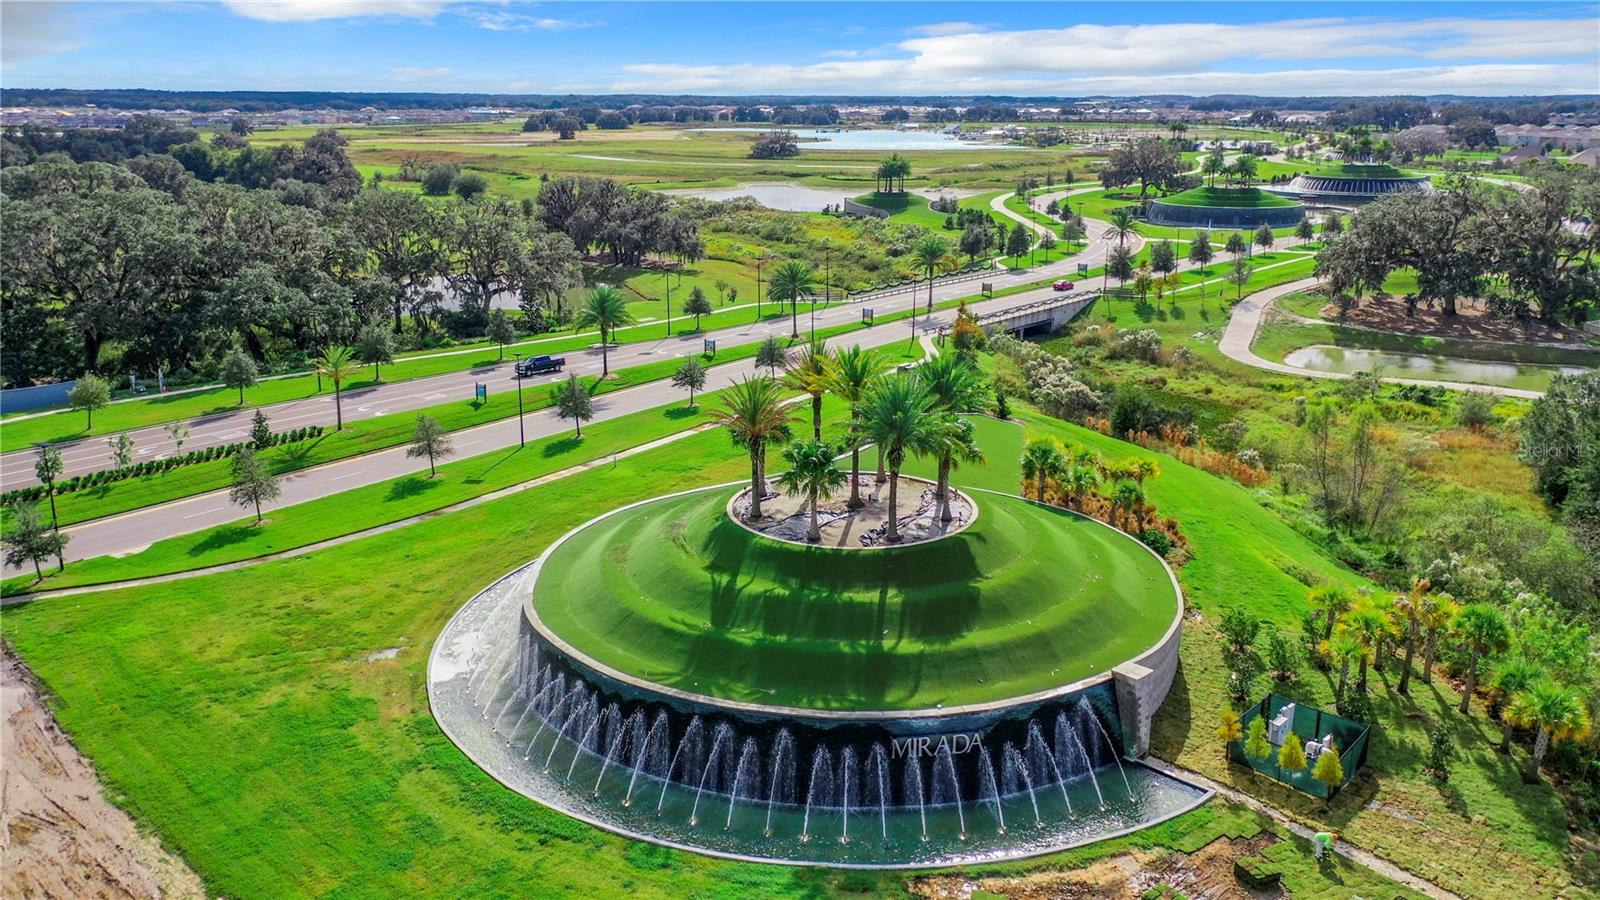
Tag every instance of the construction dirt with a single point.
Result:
(59, 836)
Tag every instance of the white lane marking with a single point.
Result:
(206, 512)
(346, 475)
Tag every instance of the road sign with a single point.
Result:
(988, 288)
(866, 315)
(1083, 268)
(480, 391)
(711, 347)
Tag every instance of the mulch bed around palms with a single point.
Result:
(1472, 321)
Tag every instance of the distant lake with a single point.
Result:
(790, 197)
(879, 139)
(1424, 367)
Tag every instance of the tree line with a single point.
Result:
(173, 271)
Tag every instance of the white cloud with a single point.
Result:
(943, 29)
(1440, 55)
(415, 72)
(312, 10)
(501, 19)
(35, 29)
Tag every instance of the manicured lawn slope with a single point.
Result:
(1026, 599)
(1230, 197)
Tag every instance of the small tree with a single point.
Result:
(573, 401)
(1235, 244)
(1441, 749)
(1332, 224)
(500, 330)
(260, 431)
(771, 355)
(1264, 236)
(336, 365)
(1283, 657)
(1200, 252)
(1239, 655)
(1228, 728)
(31, 540)
(697, 305)
(90, 393)
(375, 346)
(121, 450)
(1328, 769)
(177, 433)
(1239, 276)
(1305, 231)
(1257, 746)
(1292, 755)
(429, 439)
(253, 484)
(813, 473)
(239, 371)
(690, 376)
(470, 186)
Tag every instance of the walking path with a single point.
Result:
(1246, 322)
(1349, 851)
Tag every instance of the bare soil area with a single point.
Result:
(59, 836)
(1208, 873)
(1472, 321)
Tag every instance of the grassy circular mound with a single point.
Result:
(1026, 599)
(1228, 198)
(1357, 170)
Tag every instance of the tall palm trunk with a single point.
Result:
(1471, 685)
(814, 533)
(855, 464)
(1506, 729)
(893, 533)
(1361, 674)
(1411, 651)
(945, 515)
(1039, 485)
(758, 484)
(880, 477)
(1427, 657)
(816, 416)
(1344, 676)
(1541, 746)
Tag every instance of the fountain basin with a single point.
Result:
(1001, 778)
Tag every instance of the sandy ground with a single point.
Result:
(59, 837)
(785, 517)
(1206, 873)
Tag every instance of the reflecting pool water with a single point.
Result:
(1348, 360)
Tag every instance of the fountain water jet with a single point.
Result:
(749, 761)
(821, 782)
(658, 728)
(723, 732)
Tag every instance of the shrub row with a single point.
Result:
(153, 466)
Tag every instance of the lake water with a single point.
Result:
(880, 139)
(1428, 368)
(798, 197)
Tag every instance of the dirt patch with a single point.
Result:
(59, 837)
(1208, 872)
(1472, 321)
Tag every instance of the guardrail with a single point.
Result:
(915, 285)
(1001, 315)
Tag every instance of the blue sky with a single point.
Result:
(835, 48)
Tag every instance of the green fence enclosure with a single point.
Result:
(1307, 723)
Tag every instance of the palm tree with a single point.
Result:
(1408, 610)
(1343, 647)
(1330, 602)
(1128, 496)
(1367, 624)
(336, 364)
(807, 371)
(1558, 714)
(792, 281)
(1438, 611)
(851, 372)
(930, 253)
(1079, 481)
(1482, 630)
(812, 474)
(755, 417)
(1123, 224)
(898, 413)
(1511, 678)
(1042, 460)
(606, 309)
(955, 443)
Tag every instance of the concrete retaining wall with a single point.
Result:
(1142, 685)
(1224, 216)
(853, 208)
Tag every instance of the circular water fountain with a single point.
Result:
(669, 672)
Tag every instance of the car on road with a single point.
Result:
(539, 365)
(1062, 286)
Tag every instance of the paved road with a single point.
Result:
(1246, 321)
(91, 454)
(133, 531)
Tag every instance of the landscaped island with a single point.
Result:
(1226, 207)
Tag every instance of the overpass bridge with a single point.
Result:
(1040, 316)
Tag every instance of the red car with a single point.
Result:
(1062, 286)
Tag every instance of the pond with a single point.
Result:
(882, 139)
(789, 197)
(1349, 360)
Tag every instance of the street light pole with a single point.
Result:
(669, 303)
(760, 258)
(522, 437)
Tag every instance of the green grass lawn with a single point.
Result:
(239, 717)
(1227, 197)
(676, 592)
(905, 208)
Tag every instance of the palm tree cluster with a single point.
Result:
(891, 174)
(919, 414)
(1072, 474)
(1370, 630)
